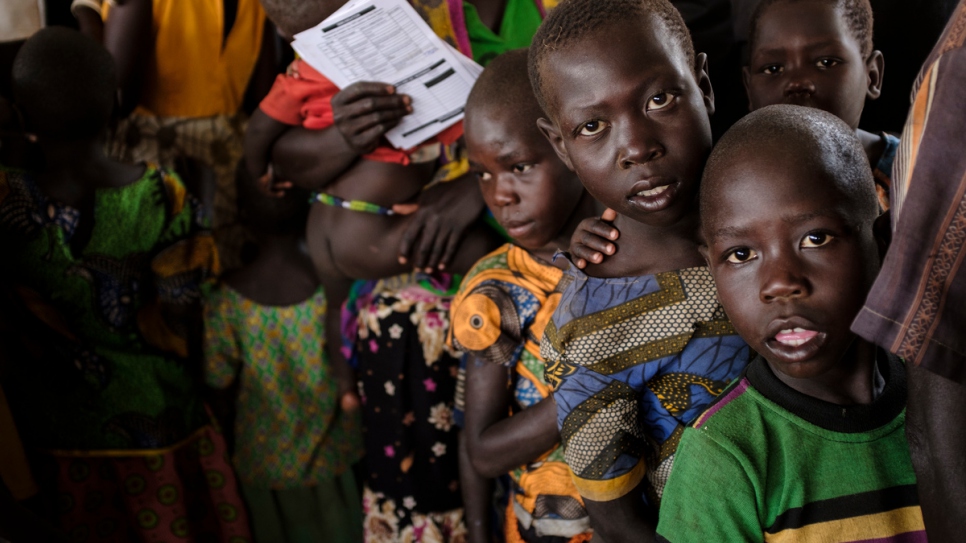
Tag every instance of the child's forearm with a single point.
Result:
(517, 440)
(261, 134)
(498, 443)
(476, 490)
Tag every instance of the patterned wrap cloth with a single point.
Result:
(499, 316)
(395, 331)
(632, 361)
(107, 402)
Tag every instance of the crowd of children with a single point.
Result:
(571, 317)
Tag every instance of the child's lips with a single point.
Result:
(795, 339)
(653, 194)
(795, 336)
(515, 229)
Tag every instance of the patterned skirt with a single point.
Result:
(186, 492)
(407, 381)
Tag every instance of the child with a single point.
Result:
(506, 300)
(293, 444)
(359, 194)
(396, 327)
(809, 444)
(637, 348)
(818, 53)
(107, 261)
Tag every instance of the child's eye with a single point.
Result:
(592, 128)
(772, 69)
(659, 101)
(816, 239)
(827, 63)
(522, 168)
(483, 176)
(742, 255)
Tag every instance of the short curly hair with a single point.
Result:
(857, 15)
(827, 144)
(574, 20)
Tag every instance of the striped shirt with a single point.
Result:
(768, 463)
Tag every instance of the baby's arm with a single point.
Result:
(592, 239)
(260, 136)
(363, 112)
(496, 442)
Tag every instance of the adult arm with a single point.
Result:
(129, 37)
(497, 442)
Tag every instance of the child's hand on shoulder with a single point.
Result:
(364, 111)
(591, 242)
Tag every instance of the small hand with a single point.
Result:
(441, 217)
(270, 186)
(590, 240)
(364, 111)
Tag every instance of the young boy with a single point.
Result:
(504, 303)
(818, 53)
(809, 444)
(637, 348)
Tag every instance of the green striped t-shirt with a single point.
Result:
(768, 463)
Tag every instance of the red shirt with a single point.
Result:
(303, 96)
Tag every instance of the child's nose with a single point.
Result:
(783, 281)
(799, 83)
(637, 147)
(505, 193)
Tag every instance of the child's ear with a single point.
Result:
(746, 79)
(550, 131)
(876, 67)
(704, 81)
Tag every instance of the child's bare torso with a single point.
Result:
(364, 245)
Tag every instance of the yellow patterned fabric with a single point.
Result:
(289, 429)
(498, 316)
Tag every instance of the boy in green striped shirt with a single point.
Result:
(809, 444)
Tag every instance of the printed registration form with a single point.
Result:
(387, 41)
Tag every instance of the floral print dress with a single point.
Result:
(396, 338)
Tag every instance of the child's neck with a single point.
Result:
(280, 275)
(586, 207)
(851, 382)
(644, 249)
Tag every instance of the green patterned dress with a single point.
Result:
(294, 446)
(103, 397)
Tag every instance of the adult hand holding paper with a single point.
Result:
(386, 40)
(364, 111)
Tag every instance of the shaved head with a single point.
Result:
(812, 138)
(504, 84)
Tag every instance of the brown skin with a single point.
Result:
(539, 201)
(627, 114)
(805, 55)
(789, 249)
(643, 129)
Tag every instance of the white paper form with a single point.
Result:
(387, 41)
